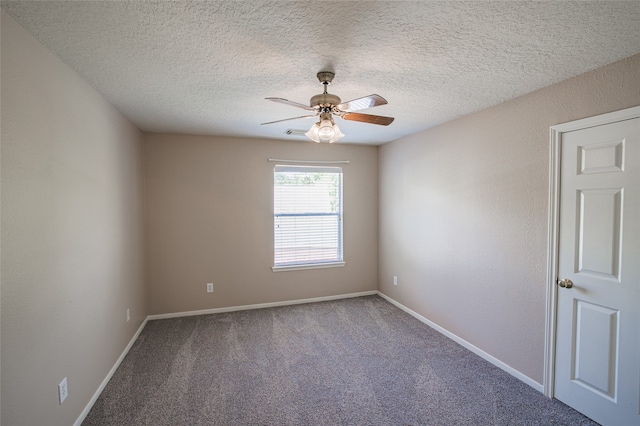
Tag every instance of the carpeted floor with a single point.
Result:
(355, 361)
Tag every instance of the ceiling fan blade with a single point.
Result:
(362, 103)
(291, 103)
(368, 118)
(294, 118)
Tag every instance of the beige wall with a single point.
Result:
(210, 219)
(72, 234)
(463, 214)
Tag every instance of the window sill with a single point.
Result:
(310, 266)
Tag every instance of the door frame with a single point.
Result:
(555, 141)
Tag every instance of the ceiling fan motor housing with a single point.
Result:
(325, 100)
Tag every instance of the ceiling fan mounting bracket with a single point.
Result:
(325, 77)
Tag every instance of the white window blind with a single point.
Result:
(307, 215)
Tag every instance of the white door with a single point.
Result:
(597, 368)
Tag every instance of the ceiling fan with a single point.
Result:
(327, 105)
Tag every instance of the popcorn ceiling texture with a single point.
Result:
(206, 67)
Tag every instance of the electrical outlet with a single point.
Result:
(395, 280)
(63, 390)
(128, 314)
(209, 287)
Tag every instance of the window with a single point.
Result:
(307, 217)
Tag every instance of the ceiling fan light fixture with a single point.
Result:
(324, 131)
(337, 134)
(313, 132)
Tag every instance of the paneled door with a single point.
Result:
(597, 358)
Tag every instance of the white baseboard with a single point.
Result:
(110, 374)
(495, 361)
(260, 305)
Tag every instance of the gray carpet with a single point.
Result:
(348, 362)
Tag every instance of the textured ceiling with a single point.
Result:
(205, 67)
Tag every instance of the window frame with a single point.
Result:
(291, 266)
